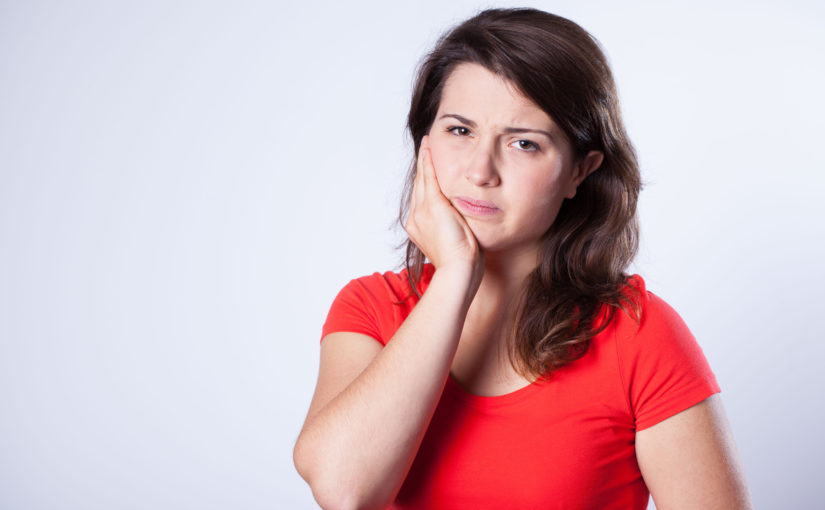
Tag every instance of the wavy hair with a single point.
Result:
(581, 277)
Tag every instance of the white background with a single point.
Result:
(184, 187)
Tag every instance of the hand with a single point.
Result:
(435, 226)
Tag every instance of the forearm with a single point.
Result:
(360, 446)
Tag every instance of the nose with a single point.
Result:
(481, 169)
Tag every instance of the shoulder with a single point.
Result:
(375, 304)
(662, 366)
(395, 284)
(645, 311)
(650, 328)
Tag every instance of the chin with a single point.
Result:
(497, 244)
(494, 245)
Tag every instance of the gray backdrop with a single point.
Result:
(184, 187)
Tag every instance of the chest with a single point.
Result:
(546, 445)
(481, 365)
(566, 442)
(485, 370)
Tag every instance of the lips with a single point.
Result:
(478, 203)
(476, 206)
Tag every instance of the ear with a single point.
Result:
(582, 168)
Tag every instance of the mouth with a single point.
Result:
(472, 205)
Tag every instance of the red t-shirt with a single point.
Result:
(566, 442)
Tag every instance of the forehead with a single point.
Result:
(478, 93)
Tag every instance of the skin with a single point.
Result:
(687, 461)
(690, 460)
(527, 175)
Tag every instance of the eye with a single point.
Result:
(527, 145)
(458, 130)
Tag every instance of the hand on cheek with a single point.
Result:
(433, 224)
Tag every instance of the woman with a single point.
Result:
(521, 367)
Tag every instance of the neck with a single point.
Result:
(505, 275)
(492, 313)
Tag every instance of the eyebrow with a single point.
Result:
(506, 130)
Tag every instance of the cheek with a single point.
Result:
(543, 195)
(444, 165)
(548, 182)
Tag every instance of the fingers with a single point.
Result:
(426, 169)
(425, 199)
(424, 175)
(423, 150)
(418, 182)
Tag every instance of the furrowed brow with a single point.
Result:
(515, 130)
(459, 118)
(528, 130)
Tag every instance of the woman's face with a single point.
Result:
(490, 144)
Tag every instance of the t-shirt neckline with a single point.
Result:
(483, 401)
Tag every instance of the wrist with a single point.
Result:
(462, 279)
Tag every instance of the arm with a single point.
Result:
(690, 460)
(360, 437)
(372, 405)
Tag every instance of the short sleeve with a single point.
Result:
(375, 305)
(663, 367)
(354, 309)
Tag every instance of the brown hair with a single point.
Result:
(584, 253)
